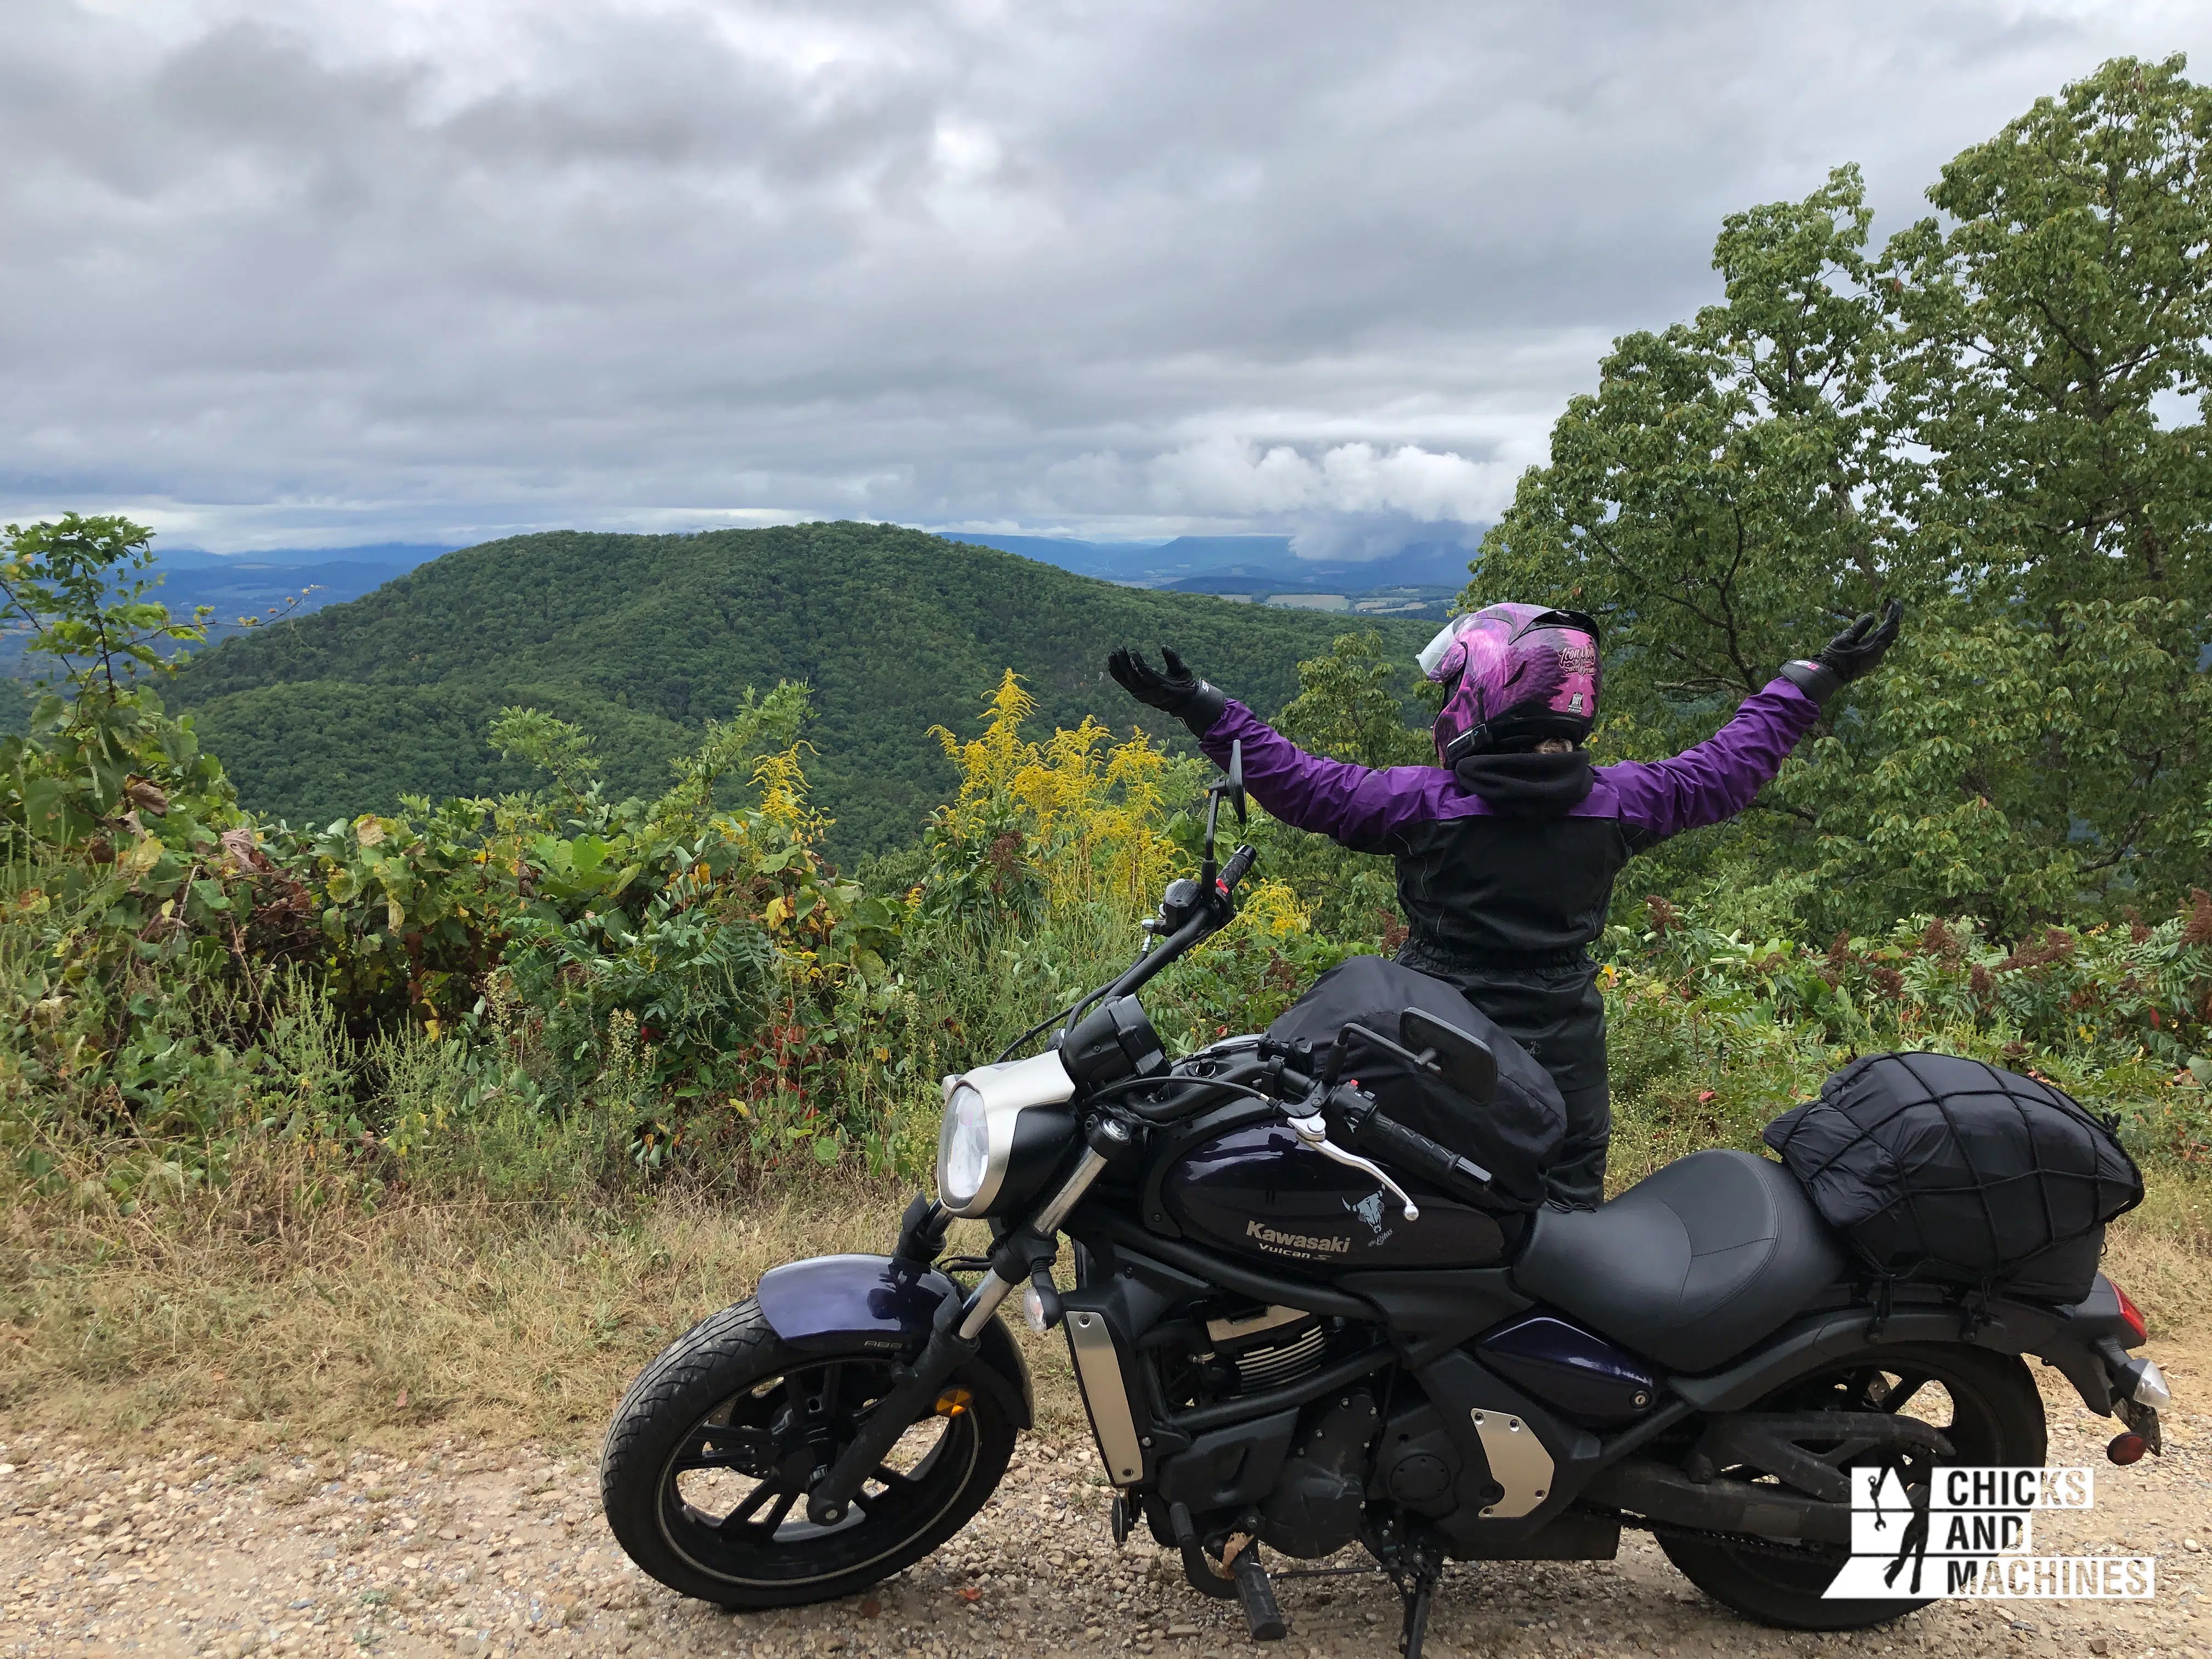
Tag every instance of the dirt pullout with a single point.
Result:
(467, 1549)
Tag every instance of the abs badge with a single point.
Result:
(1973, 1534)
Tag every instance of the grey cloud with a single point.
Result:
(292, 269)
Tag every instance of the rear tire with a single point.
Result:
(1995, 1417)
(704, 1474)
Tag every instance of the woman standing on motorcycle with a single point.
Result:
(1507, 848)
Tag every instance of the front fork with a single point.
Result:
(955, 1336)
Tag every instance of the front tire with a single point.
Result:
(1986, 1403)
(706, 1467)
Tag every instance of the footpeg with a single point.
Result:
(1261, 1611)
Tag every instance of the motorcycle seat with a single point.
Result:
(1691, 1264)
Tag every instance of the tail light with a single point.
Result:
(2133, 1315)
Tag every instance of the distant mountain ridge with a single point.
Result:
(236, 586)
(1202, 564)
(640, 639)
(295, 580)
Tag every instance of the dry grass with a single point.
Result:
(516, 1321)
(2161, 1254)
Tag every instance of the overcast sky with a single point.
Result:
(288, 272)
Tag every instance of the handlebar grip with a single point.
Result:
(1409, 1149)
(1239, 867)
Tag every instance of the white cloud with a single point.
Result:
(359, 269)
(1232, 477)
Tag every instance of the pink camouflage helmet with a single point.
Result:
(1513, 675)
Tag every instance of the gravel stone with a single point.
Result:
(488, 1550)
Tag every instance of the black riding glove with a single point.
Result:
(1852, 653)
(1178, 691)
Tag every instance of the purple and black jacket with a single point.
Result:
(1502, 900)
(1481, 880)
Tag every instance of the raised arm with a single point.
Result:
(1355, 806)
(1719, 777)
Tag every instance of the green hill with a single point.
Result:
(640, 639)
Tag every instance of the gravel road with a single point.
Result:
(466, 1548)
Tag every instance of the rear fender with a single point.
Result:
(2066, 1338)
(2088, 1333)
(836, 1303)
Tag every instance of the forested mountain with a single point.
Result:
(642, 639)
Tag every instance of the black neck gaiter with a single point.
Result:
(1528, 786)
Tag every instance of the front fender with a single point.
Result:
(836, 1304)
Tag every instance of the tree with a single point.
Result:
(1349, 706)
(1966, 422)
(77, 590)
(99, 750)
(2067, 292)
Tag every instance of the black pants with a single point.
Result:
(1555, 1011)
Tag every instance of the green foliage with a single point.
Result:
(694, 987)
(610, 943)
(638, 640)
(75, 591)
(1967, 422)
(170, 961)
(550, 744)
(1711, 1029)
(1350, 705)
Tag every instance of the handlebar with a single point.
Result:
(1239, 866)
(1408, 1149)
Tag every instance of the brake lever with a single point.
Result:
(1314, 1130)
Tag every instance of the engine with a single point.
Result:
(1314, 1510)
(1301, 1473)
(1264, 1348)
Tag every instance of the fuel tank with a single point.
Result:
(1260, 1191)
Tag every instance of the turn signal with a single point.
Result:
(2126, 1449)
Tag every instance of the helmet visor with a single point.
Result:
(1432, 653)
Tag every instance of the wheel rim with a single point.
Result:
(1917, 1387)
(733, 1495)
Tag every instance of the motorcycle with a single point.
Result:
(1298, 1324)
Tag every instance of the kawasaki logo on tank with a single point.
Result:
(1296, 1243)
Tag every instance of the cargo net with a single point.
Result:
(1942, 1168)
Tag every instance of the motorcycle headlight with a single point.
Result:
(1006, 1129)
(963, 1148)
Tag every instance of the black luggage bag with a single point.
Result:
(1517, 1136)
(1942, 1168)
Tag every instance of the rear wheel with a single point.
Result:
(707, 1465)
(1987, 1407)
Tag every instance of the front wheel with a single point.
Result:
(1987, 1407)
(706, 1468)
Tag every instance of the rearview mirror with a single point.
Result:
(1230, 786)
(1461, 1060)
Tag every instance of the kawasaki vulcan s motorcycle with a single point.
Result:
(1298, 1325)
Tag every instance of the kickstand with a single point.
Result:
(1415, 1562)
(1417, 1602)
